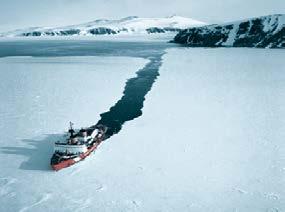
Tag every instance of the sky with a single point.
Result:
(26, 13)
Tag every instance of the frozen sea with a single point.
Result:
(199, 129)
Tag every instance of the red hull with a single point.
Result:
(69, 162)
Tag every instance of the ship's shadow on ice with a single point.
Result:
(37, 153)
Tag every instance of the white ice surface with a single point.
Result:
(211, 137)
(212, 133)
(38, 98)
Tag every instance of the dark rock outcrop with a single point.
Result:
(162, 30)
(102, 31)
(34, 33)
(262, 32)
(155, 30)
(69, 32)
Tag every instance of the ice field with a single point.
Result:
(210, 137)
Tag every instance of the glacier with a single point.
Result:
(129, 25)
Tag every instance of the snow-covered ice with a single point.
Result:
(210, 137)
(131, 25)
(39, 95)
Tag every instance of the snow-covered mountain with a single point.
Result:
(132, 24)
(262, 32)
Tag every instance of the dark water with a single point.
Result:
(129, 106)
(49, 48)
(131, 103)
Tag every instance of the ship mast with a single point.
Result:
(71, 130)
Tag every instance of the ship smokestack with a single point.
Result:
(84, 134)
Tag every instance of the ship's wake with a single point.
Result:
(130, 105)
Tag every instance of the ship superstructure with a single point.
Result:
(77, 146)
